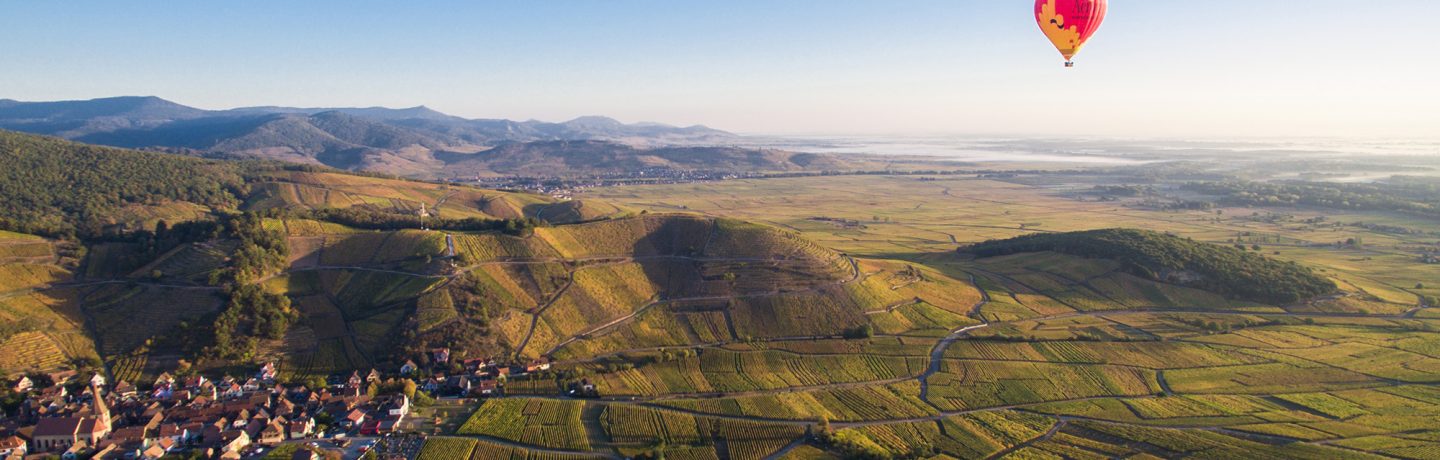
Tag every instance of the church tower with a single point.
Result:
(100, 409)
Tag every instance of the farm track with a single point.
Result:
(800, 441)
(1059, 423)
(1420, 305)
(896, 306)
(534, 448)
(722, 344)
(539, 310)
(1164, 385)
(595, 429)
(937, 355)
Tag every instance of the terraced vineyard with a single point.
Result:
(752, 326)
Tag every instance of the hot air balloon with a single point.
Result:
(1069, 23)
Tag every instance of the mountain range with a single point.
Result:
(416, 142)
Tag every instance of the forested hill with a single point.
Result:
(68, 190)
(59, 188)
(1224, 270)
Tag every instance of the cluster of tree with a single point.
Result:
(261, 251)
(250, 314)
(1124, 190)
(403, 386)
(1157, 256)
(374, 219)
(63, 189)
(25, 324)
(1226, 326)
(1178, 205)
(1409, 196)
(863, 331)
(1393, 229)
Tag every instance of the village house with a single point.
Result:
(355, 381)
(273, 433)
(12, 446)
(267, 372)
(174, 432)
(459, 385)
(127, 436)
(354, 418)
(62, 377)
(301, 427)
(195, 381)
(24, 384)
(124, 390)
(233, 441)
(474, 364)
(440, 355)
(159, 449)
(488, 388)
(54, 395)
(397, 407)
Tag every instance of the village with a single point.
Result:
(365, 413)
(567, 188)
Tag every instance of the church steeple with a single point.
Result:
(100, 409)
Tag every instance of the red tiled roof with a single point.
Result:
(58, 426)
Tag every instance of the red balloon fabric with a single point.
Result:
(1069, 23)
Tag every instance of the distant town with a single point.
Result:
(566, 188)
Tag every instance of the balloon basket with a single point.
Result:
(1069, 64)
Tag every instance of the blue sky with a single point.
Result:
(1169, 68)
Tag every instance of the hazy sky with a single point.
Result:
(1202, 68)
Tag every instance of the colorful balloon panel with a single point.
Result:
(1069, 23)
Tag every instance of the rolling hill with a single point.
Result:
(417, 142)
(1167, 258)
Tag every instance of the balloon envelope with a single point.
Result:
(1069, 23)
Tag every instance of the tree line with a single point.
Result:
(374, 219)
(1407, 195)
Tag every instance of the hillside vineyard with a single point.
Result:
(162, 303)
